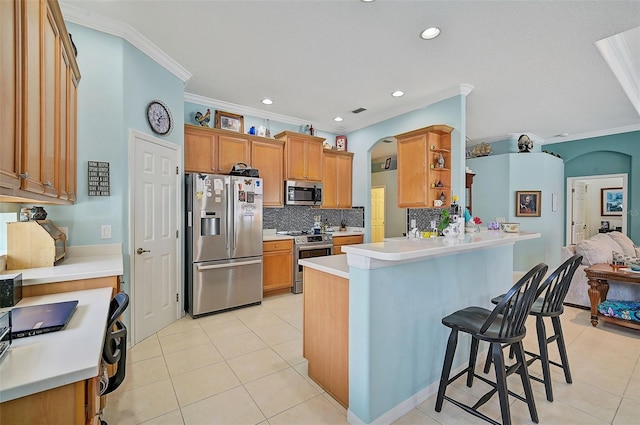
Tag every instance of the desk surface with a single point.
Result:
(42, 362)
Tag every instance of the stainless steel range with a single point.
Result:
(308, 246)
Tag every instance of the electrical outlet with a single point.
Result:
(413, 223)
(105, 231)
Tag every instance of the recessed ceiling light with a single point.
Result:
(430, 33)
(337, 119)
(267, 101)
(367, 1)
(397, 93)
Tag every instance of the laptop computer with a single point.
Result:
(39, 319)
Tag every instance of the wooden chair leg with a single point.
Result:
(526, 382)
(557, 327)
(473, 354)
(544, 356)
(446, 368)
(501, 382)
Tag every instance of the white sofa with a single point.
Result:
(599, 249)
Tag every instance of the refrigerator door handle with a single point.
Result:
(189, 219)
(224, 266)
(231, 230)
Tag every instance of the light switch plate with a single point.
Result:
(105, 231)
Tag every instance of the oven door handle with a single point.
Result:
(227, 265)
(312, 247)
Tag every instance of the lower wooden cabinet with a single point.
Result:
(277, 265)
(72, 404)
(340, 241)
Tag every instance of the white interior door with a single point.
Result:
(578, 222)
(377, 214)
(155, 235)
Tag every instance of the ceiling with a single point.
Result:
(531, 66)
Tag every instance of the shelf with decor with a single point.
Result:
(424, 159)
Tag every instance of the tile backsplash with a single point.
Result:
(297, 217)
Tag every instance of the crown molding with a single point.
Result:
(100, 23)
(242, 110)
(592, 134)
(423, 102)
(617, 54)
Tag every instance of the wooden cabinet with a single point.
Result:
(336, 179)
(277, 265)
(325, 334)
(210, 150)
(267, 157)
(38, 88)
(468, 189)
(71, 404)
(302, 157)
(340, 241)
(424, 167)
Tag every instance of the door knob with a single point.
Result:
(140, 251)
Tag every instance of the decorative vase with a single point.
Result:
(441, 161)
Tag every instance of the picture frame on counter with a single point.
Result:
(229, 121)
(528, 203)
(611, 201)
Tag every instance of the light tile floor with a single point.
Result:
(246, 367)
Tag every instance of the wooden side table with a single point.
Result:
(599, 276)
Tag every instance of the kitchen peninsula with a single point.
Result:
(398, 292)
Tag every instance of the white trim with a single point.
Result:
(592, 134)
(404, 407)
(241, 110)
(569, 200)
(111, 26)
(462, 89)
(133, 135)
(618, 56)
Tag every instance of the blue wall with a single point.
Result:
(615, 154)
(450, 111)
(118, 81)
(497, 179)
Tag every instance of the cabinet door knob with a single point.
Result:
(24, 175)
(48, 184)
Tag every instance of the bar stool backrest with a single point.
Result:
(555, 287)
(114, 350)
(513, 309)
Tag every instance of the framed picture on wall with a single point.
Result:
(611, 201)
(528, 203)
(229, 121)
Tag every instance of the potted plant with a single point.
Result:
(445, 220)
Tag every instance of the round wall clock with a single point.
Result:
(159, 117)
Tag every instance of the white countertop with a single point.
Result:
(332, 264)
(392, 251)
(41, 362)
(81, 262)
(268, 238)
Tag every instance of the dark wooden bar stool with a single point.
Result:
(548, 303)
(502, 325)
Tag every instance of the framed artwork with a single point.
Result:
(229, 121)
(611, 201)
(528, 203)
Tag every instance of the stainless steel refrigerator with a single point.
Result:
(224, 242)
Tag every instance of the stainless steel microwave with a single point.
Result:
(302, 193)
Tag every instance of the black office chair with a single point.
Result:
(504, 324)
(548, 303)
(114, 350)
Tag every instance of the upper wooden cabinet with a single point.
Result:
(302, 157)
(424, 167)
(337, 169)
(267, 157)
(38, 86)
(211, 150)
